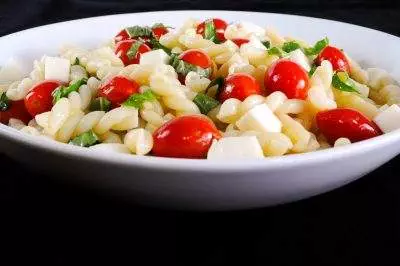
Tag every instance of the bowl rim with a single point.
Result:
(214, 166)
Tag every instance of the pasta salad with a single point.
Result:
(206, 90)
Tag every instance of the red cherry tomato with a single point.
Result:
(122, 36)
(118, 89)
(346, 123)
(336, 57)
(196, 57)
(15, 110)
(288, 77)
(240, 41)
(219, 25)
(123, 47)
(239, 86)
(159, 31)
(39, 99)
(185, 137)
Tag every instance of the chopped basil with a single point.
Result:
(134, 49)
(4, 102)
(160, 25)
(317, 48)
(62, 91)
(138, 31)
(210, 32)
(205, 103)
(267, 44)
(312, 70)
(137, 100)
(86, 139)
(183, 68)
(219, 82)
(290, 46)
(276, 51)
(77, 62)
(157, 45)
(343, 82)
(100, 104)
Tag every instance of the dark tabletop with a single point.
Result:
(48, 222)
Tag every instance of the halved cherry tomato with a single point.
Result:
(15, 110)
(196, 57)
(122, 48)
(288, 77)
(185, 137)
(346, 123)
(336, 57)
(239, 86)
(122, 36)
(159, 31)
(240, 41)
(219, 25)
(39, 99)
(118, 89)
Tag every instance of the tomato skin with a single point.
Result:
(16, 110)
(239, 86)
(288, 77)
(336, 57)
(185, 137)
(123, 47)
(39, 99)
(220, 26)
(196, 57)
(240, 41)
(122, 36)
(346, 123)
(159, 31)
(118, 89)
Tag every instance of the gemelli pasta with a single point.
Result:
(206, 90)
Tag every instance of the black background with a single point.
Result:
(48, 222)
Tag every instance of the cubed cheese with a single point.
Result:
(246, 147)
(243, 29)
(300, 58)
(260, 118)
(155, 57)
(57, 68)
(389, 119)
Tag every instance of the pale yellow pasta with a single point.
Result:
(292, 106)
(64, 134)
(274, 144)
(195, 82)
(16, 123)
(299, 136)
(355, 101)
(191, 40)
(274, 37)
(110, 137)
(121, 118)
(139, 141)
(342, 142)
(19, 89)
(275, 99)
(58, 115)
(249, 103)
(77, 72)
(229, 111)
(88, 122)
(30, 130)
(356, 72)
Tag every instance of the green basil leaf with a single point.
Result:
(160, 25)
(205, 103)
(157, 45)
(131, 53)
(276, 51)
(210, 32)
(342, 81)
(4, 102)
(138, 31)
(317, 48)
(62, 92)
(183, 68)
(137, 100)
(219, 82)
(100, 104)
(76, 62)
(86, 139)
(290, 46)
(267, 44)
(312, 70)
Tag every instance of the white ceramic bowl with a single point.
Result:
(202, 184)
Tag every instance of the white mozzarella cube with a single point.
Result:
(300, 58)
(389, 119)
(245, 147)
(243, 29)
(155, 57)
(57, 68)
(261, 119)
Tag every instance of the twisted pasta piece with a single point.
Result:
(196, 83)
(191, 40)
(139, 141)
(102, 57)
